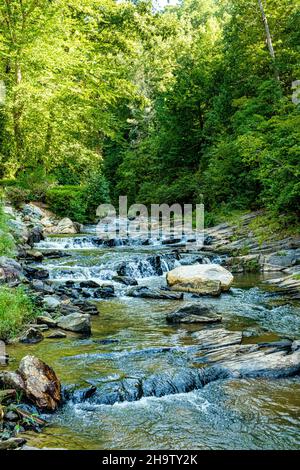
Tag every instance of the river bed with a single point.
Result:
(131, 337)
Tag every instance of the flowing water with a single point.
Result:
(131, 338)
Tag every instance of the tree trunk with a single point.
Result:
(269, 38)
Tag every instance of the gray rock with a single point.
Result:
(31, 336)
(34, 255)
(41, 286)
(10, 270)
(11, 416)
(50, 322)
(126, 280)
(76, 322)
(57, 335)
(18, 229)
(152, 293)
(51, 302)
(193, 313)
(32, 211)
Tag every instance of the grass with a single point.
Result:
(296, 276)
(274, 227)
(7, 244)
(224, 214)
(16, 309)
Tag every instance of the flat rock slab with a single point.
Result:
(149, 293)
(217, 338)
(193, 313)
(265, 362)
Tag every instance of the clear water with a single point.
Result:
(227, 414)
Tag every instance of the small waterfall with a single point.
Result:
(69, 243)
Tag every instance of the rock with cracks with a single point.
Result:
(203, 279)
(41, 385)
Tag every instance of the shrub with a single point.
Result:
(68, 201)
(79, 202)
(36, 182)
(16, 309)
(17, 196)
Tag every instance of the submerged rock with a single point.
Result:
(193, 313)
(75, 322)
(157, 385)
(217, 338)
(152, 293)
(201, 279)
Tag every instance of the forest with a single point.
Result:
(188, 103)
(122, 331)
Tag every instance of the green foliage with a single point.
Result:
(17, 196)
(177, 105)
(68, 201)
(6, 240)
(16, 309)
(79, 202)
(35, 182)
(96, 193)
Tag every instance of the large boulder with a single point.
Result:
(18, 229)
(10, 270)
(77, 322)
(66, 226)
(41, 384)
(193, 313)
(33, 211)
(202, 279)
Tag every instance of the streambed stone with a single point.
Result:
(204, 279)
(193, 313)
(76, 322)
(31, 336)
(152, 293)
(41, 384)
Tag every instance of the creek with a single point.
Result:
(131, 339)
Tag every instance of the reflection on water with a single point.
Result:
(228, 414)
